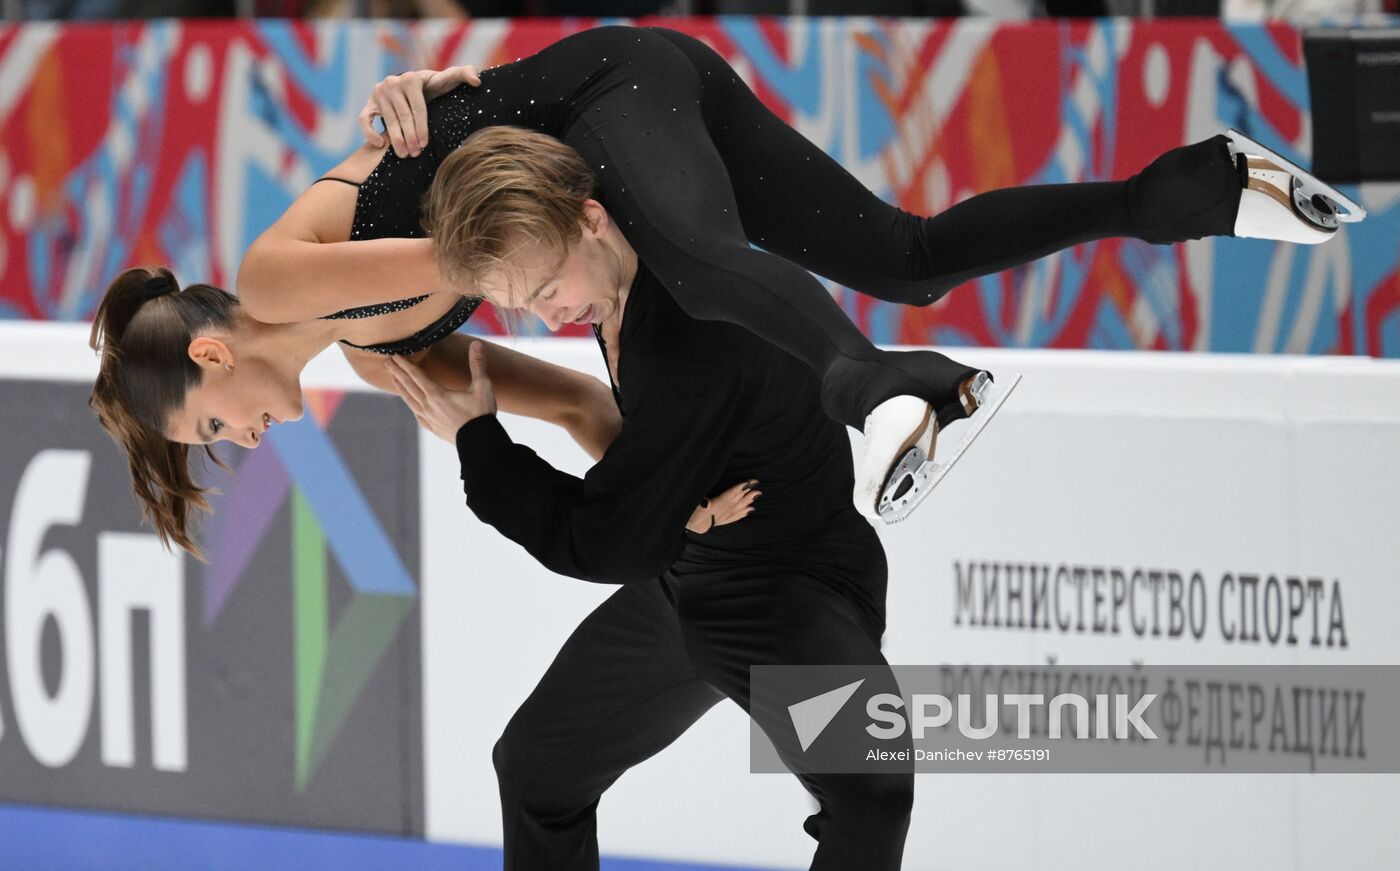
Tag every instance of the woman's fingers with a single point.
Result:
(731, 506)
(736, 503)
(744, 506)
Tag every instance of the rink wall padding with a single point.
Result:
(335, 678)
(1226, 491)
(178, 142)
(332, 682)
(277, 684)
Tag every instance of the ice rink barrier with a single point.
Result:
(1264, 485)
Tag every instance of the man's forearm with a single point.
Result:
(611, 540)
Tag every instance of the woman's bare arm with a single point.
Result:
(302, 267)
(285, 279)
(524, 385)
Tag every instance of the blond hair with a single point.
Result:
(503, 189)
(142, 330)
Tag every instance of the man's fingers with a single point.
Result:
(419, 107)
(408, 126)
(402, 101)
(366, 121)
(392, 126)
(413, 381)
(476, 362)
(398, 116)
(442, 81)
(405, 387)
(424, 385)
(410, 400)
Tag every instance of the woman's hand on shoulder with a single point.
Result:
(732, 505)
(402, 102)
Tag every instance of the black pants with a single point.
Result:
(693, 167)
(650, 661)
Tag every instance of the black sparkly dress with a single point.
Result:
(693, 168)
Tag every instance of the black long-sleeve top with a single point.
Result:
(704, 405)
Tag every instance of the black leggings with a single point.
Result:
(649, 662)
(694, 167)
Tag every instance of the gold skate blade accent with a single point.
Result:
(1270, 190)
(916, 474)
(1322, 222)
(917, 435)
(1344, 208)
(972, 391)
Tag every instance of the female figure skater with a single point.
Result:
(693, 168)
(801, 581)
(190, 367)
(629, 98)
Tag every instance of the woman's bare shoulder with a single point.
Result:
(359, 164)
(324, 211)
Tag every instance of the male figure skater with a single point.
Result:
(800, 581)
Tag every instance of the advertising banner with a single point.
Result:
(1213, 522)
(277, 683)
(1154, 515)
(180, 141)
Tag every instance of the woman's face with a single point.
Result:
(581, 287)
(236, 402)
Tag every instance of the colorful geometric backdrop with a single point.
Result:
(178, 142)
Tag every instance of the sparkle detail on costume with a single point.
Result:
(693, 168)
(429, 335)
(388, 205)
(371, 311)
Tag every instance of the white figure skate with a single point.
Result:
(906, 427)
(1284, 201)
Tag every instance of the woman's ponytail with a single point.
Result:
(142, 331)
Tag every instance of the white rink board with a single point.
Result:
(1205, 463)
